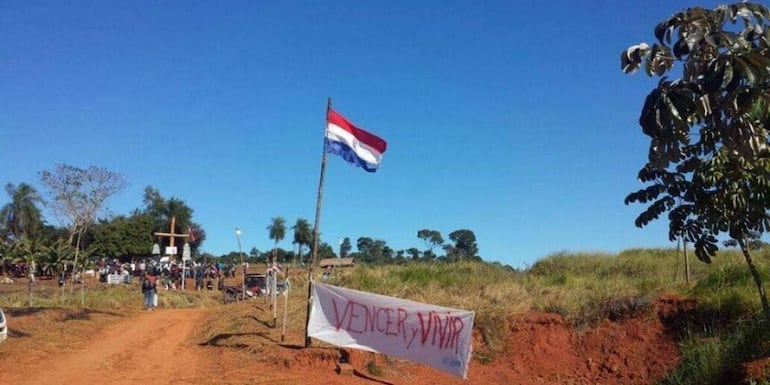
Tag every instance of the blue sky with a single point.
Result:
(511, 119)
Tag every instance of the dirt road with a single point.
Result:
(150, 348)
(170, 346)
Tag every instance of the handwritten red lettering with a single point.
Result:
(458, 327)
(400, 323)
(353, 315)
(425, 329)
(438, 329)
(371, 319)
(388, 330)
(414, 335)
(338, 321)
(380, 329)
(441, 330)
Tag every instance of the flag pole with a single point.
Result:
(314, 254)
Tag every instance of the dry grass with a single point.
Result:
(54, 330)
(575, 285)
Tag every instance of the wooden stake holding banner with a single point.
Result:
(286, 288)
(274, 294)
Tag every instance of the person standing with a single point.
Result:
(198, 277)
(149, 290)
(270, 279)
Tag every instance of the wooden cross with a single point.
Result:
(171, 236)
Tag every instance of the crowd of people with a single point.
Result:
(154, 275)
(168, 275)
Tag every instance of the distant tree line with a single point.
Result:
(77, 197)
(370, 250)
(376, 251)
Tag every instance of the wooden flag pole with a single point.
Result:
(314, 254)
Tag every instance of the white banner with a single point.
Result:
(436, 336)
(114, 279)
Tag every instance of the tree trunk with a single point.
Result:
(71, 237)
(275, 297)
(62, 287)
(757, 278)
(83, 286)
(678, 249)
(30, 282)
(299, 256)
(275, 252)
(75, 263)
(686, 264)
(275, 282)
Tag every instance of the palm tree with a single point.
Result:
(303, 235)
(21, 217)
(277, 231)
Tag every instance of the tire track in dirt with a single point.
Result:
(151, 348)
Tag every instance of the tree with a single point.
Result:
(21, 217)
(231, 258)
(77, 197)
(432, 239)
(373, 250)
(162, 210)
(465, 244)
(753, 241)
(277, 232)
(205, 258)
(51, 233)
(124, 237)
(325, 250)
(282, 255)
(345, 248)
(303, 235)
(708, 164)
(255, 254)
(387, 253)
(399, 258)
(365, 245)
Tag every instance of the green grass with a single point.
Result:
(374, 369)
(588, 286)
(714, 357)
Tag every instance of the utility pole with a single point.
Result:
(243, 265)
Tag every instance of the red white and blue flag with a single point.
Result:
(353, 144)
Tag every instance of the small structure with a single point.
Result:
(336, 262)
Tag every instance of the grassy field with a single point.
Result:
(577, 286)
(580, 287)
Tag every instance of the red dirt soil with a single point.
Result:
(159, 348)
